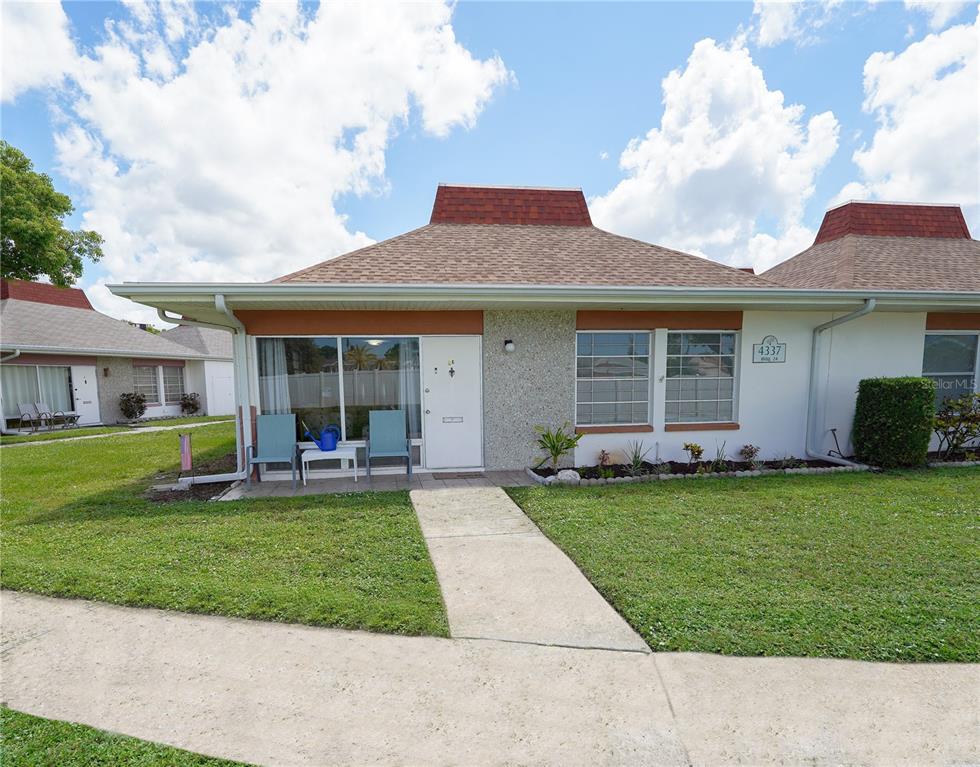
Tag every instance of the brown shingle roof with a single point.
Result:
(509, 205)
(884, 263)
(887, 219)
(519, 254)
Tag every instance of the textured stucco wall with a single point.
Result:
(534, 385)
(120, 380)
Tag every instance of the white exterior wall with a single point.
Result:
(219, 387)
(771, 404)
(196, 382)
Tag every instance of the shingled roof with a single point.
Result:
(887, 246)
(516, 236)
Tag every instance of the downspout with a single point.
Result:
(243, 436)
(815, 353)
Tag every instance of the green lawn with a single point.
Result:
(84, 431)
(30, 741)
(876, 567)
(75, 524)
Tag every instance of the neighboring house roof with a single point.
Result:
(213, 343)
(41, 292)
(886, 246)
(43, 322)
(503, 236)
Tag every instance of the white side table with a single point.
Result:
(310, 452)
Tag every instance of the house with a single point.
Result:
(510, 310)
(58, 350)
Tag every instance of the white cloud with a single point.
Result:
(927, 143)
(728, 159)
(37, 47)
(939, 12)
(603, 155)
(215, 147)
(779, 21)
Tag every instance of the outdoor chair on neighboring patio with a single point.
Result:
(68, 417)
(387, 438)
(277, 443)
(29, 416)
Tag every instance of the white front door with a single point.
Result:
(85, 393)
(452, 401)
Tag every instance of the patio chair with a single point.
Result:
(68, 417)
(387, 438)
(29, 415)
(277, 443)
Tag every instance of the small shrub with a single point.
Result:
(957, 424)
(636, 454)
(606, 473)
(694, 452)
(750, 454)
(132, 404)
(893, 421)
(719, 465)
(556, 443)
(604, 458)
(190, 403)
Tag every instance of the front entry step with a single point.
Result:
(502, 579)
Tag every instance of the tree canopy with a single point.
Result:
(33, 239)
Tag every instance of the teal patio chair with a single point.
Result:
(277, 443)
(387, 438)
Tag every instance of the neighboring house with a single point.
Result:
(510, 310)
(58, 350)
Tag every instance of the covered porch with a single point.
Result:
(382, 482)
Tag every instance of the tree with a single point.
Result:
(33, 239)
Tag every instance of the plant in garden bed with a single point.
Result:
(719, 464)
(556, 444)
(190, 403)
(957, 425)
(694, 451)
(132, 404)
(750, 454)
(893, 421)
(636, 455)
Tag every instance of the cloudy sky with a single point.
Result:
(239, 142)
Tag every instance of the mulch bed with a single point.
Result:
(682, 467)
(203, 492)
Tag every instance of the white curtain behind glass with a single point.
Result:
(410, 384)
(19, 385)
(55, 391)
(273, 378)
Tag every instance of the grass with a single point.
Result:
(75, 524)
(31, 741)
(875, 567)
(84, 431)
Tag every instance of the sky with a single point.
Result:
(239, 141)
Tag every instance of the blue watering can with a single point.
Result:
(328, 438)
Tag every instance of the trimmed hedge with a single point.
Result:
(893, 421)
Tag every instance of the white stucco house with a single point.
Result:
(56, 349)
(509, 310)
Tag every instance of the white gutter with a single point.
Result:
(244, 435)
(14, 355)
(812, 402)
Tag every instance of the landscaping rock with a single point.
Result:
(569, 477)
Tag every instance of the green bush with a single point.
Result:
(893, 421)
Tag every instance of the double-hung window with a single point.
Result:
(700, 385)
(173, 385)
(950, 360)
(612, 379)
(145, 382)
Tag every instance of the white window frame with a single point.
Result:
(162, 383)
(158, 379)
(649, 377)
(976, 359)
(736, 374)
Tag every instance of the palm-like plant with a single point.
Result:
(556, 443)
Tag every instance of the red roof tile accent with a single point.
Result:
(509, 205)
(877, 219)
(43, 293)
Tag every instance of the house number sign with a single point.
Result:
(770, 350)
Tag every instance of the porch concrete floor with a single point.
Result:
(418, 481)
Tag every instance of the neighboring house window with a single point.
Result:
(173, 385)
(950, 360)
(700, 377)
(145, 382)
(612, 379)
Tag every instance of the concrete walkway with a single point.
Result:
(502, 579)
(288, 695)
(134, 430)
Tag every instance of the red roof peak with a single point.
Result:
(889, 219)
(43, 293)
(509, 205)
